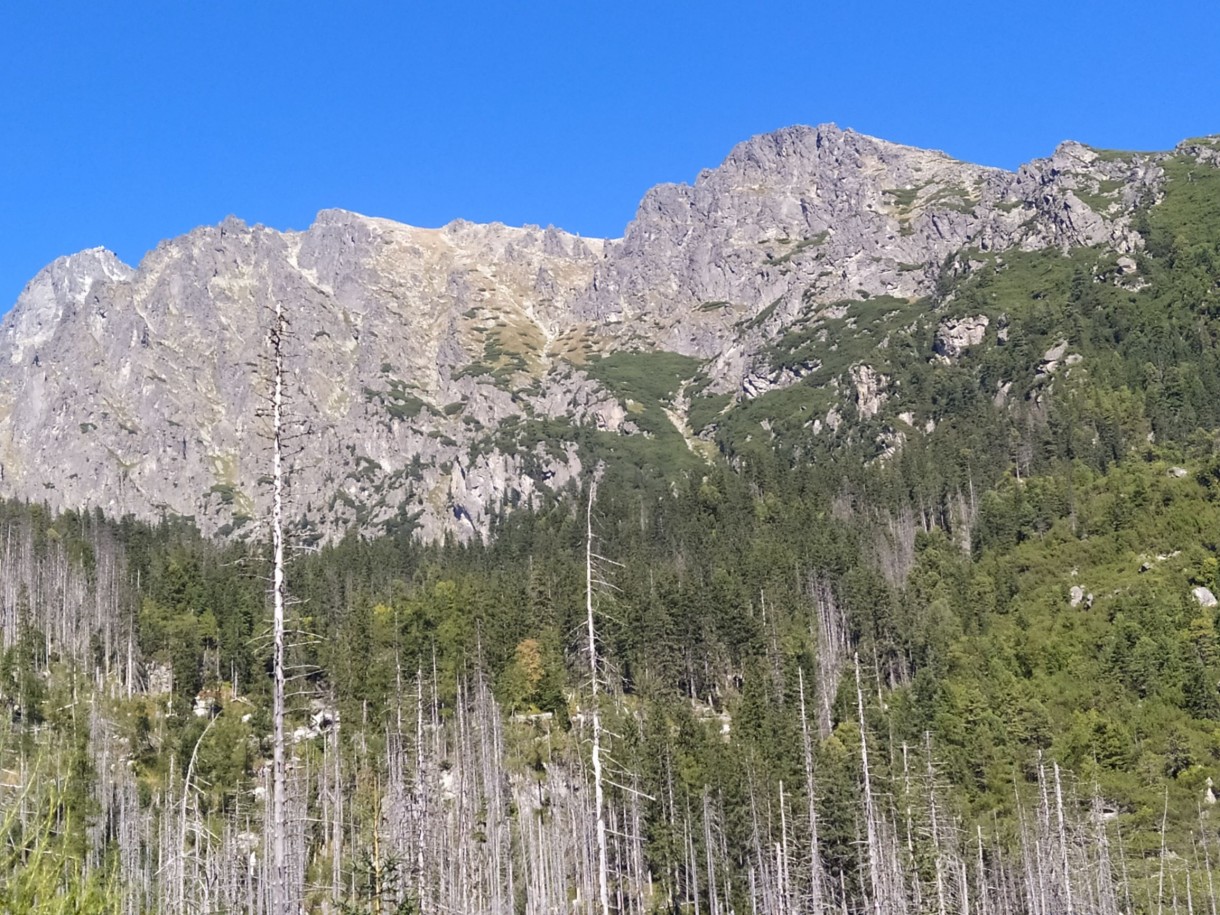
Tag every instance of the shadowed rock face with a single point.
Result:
(141, 390)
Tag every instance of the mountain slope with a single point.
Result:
(443, 375)
(922, 607)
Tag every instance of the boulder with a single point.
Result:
(1203, 596)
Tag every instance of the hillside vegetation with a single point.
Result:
(951, 649)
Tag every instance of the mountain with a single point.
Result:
(440, 376)
(896, 593)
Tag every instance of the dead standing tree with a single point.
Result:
(599, 800)
(280, 880)
(616, 864)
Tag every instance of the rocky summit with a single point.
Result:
(442, 376)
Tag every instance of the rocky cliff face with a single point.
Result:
(413, 350)
(142, 390)
(818, 215)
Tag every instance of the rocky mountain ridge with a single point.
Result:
(420, 356)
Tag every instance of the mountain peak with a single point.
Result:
(63, 284)
(827, 152)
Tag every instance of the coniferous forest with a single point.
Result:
(976, 673)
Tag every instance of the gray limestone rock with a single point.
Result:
(416, 352)
(149, 384)
(870, 388)
(1078, 597)
(955, 335)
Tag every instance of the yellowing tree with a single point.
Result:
(523, 675)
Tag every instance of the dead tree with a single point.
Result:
(599, 800)
(280, 902)
(876, 894)
(817, 877)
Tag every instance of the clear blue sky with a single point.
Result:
(127, 123)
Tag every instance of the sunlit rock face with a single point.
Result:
(142, 390)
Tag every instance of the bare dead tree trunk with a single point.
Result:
(786, 895)
(938, 846)
(279, 825)
(599, 800)
(1207, 860)
(1063, 844)
(817, 881)
(983, 891)
(833, 642)
(692, 867)
(870, 813)
(1160, 888)
(916, 883)
(1107, 893)
(709, 856)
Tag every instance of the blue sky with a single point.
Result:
(127, 123)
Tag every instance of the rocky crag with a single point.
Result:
(418, 355)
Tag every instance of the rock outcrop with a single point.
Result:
(956, 335)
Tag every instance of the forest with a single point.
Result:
(976, 671)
